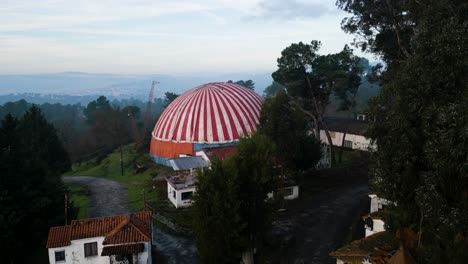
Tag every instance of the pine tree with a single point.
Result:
(31, 190)
(420, 120)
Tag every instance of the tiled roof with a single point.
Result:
(221, 152)
(123, 228)
(129, 231)
(123, 249)
(350, 126)
(59, 236)
(380, 243)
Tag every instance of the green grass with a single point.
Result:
(135, 183)
(79, 197)
(156, 192)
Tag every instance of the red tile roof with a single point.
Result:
(380, 243)
(117, 229)
(123, 249)
(59, 236)
(221, 152)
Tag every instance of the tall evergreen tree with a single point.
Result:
(312, 78)
(231, 214)
(285, 124)
(217, 221)
(420, 120)
(31, 190)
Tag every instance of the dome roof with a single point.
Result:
(211, 113)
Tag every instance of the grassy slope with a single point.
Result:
(135, 183)
(79, 197)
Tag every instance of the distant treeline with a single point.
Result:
(95, 129)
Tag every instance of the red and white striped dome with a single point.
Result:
(211, 113)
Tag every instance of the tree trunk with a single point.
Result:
(330, 143)
(341, 149)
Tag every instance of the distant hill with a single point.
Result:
(80, 87)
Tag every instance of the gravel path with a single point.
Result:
(108, 197)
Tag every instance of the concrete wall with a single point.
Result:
(378, 226)
(359, 142)
(177, 200)
(377, 203)
(74, 253)
(292, 196)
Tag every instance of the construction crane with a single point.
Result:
(140, 136)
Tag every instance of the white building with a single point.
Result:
(290, 192)
(352, 130)
(103, 240)
(180, 190)
(373, 223)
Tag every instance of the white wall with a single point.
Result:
(177, 201)
(294, 195)
(377, 203)
(378, 226)
(359, 142)
(74, 254)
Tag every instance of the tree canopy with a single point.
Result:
(285, 124)
(312, 78)
(231, 214)
(249, 84)
(168, 98)
(31, 191)
(419, 121)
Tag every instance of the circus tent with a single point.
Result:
(207, 116)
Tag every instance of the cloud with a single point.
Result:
(289, 10)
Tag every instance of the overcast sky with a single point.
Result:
(161, 36)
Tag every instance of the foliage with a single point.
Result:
(273, 88)
(285, 124)
(168, 98)
(382, 27)
(78, 196)
(31, 191)
(420, 119)
(216, 220)
(311, 79)
(249, 84)
(77, 132)
(97, 106)
(231, 214)
(109, 167)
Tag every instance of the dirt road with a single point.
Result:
(107, 197)
(313, 227)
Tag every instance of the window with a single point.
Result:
(187, 195)
(59, 256)
(174, 194)
(288, 191)
(90, 249)
(348, 144)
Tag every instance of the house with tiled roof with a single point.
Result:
(376, 249)
(103, 240)
(347, 133)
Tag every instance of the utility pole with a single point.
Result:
(66, 209)
(121, 160)
(144, 200)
